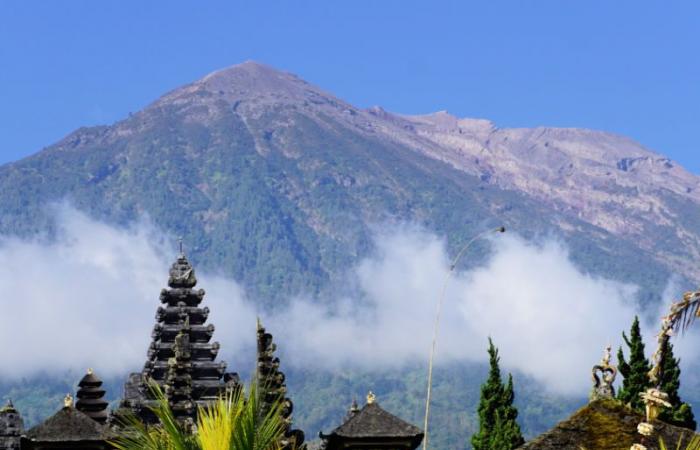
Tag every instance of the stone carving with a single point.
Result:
(603, 375)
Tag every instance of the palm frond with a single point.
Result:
(233, 422)
(256, 429)
(694, 444)
(169, 435)
(135, 435)
(688, 311)
(216, 424)
(178, 437)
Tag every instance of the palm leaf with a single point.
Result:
(168, 436)
(179, 439)
(688, 312)
(694, 444)
(216, 423)
(233, 422)
(258, 429)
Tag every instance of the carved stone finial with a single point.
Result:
(605, 361)
(654, 401)
(603, 384)
(68, 401)
(181, 273)
(371, 398)
(354, 409)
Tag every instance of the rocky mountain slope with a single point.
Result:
(279, 183)
(608, 181)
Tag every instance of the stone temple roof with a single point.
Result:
(605, 424)
(69, 424)
(373, 421)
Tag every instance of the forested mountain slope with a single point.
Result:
(278, 183)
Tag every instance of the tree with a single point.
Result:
(635, 371)
(233, 422)
(680, 414)
(498, 426)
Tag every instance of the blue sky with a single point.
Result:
(628, 67)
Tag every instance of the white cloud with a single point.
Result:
(88, 299)
(80, 300)
(549, 320)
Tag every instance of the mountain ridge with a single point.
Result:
(605, 180)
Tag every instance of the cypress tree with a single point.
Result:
(635, 371)
(498, 427)
(510, 435)
(680, 414)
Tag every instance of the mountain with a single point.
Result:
(280, 185)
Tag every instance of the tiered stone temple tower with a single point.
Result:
(181, 358)
(91, 398)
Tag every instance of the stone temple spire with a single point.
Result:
(273, 389)
(11, 427)
(178, 378)
(180, 332)
(91, 397)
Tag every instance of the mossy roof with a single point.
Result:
(604, 425)
(69, 424)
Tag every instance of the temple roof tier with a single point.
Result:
(174, 314)
(167, 333)
(186, 296)
(201, 370)
(200, 351)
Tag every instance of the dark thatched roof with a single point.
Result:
(605, 425)
(373, 421)
(90, 379)
(69, 424)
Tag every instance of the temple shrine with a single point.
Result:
(182, 361)
(181, 357)
(372, 428)
(68, 429)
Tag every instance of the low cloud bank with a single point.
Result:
(88, 299)
(548, 319)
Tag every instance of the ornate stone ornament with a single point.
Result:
(603, 375)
